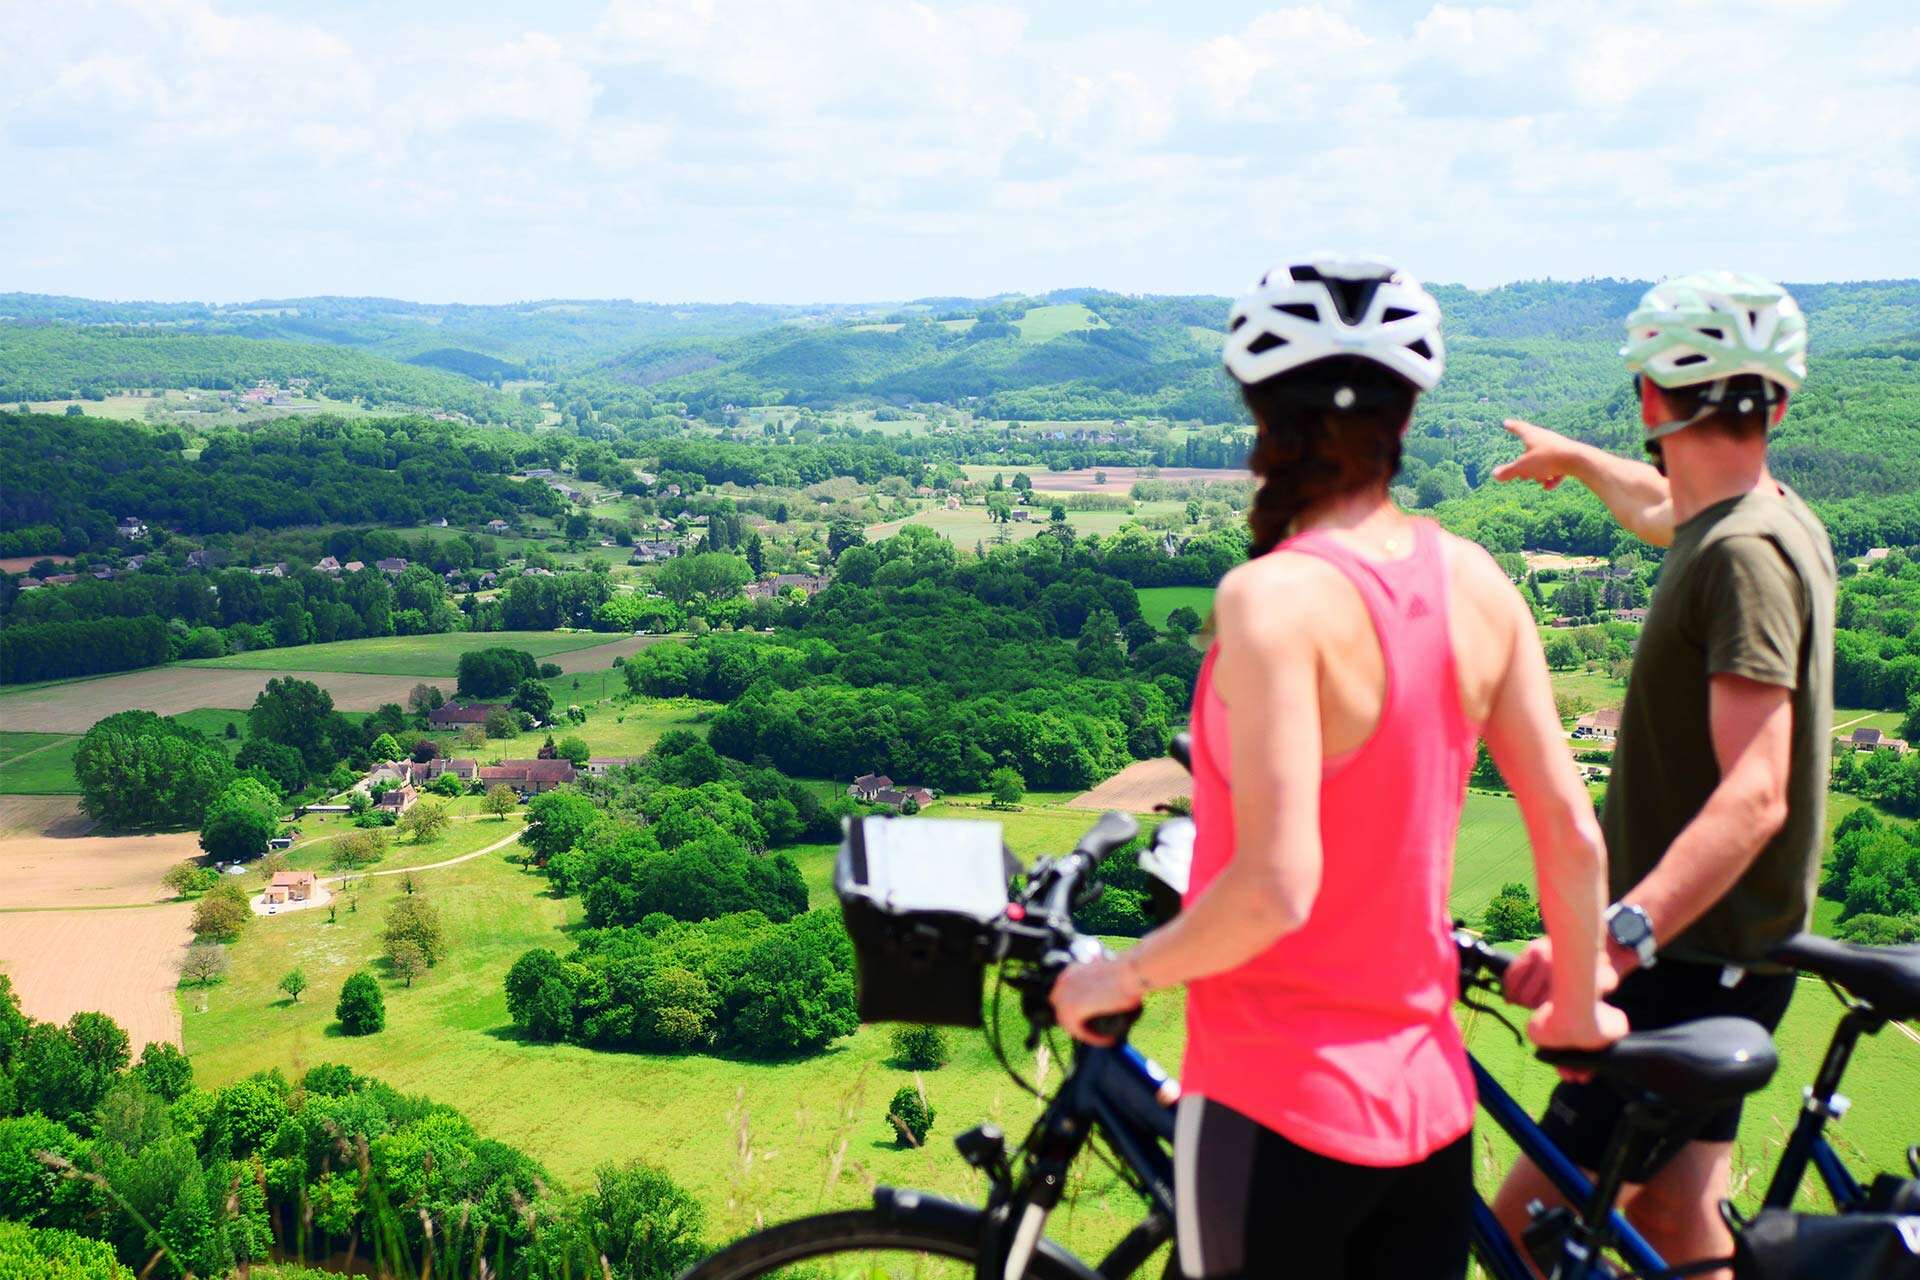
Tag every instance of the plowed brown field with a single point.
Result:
(74, 708)
(121, 963)
(1137, 788)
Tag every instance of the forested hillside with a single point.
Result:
(58, 362)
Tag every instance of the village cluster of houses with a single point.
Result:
(781, 583)
(878, 788)
(393, 566)
(400, 782)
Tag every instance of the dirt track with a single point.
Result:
(1137, 788)
(74, 708)
(121, 963)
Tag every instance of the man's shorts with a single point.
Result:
(1581, 1118)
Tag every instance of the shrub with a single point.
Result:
(189, 878)
(909, 1117)
(239, 823)
(164, 1070)
(919, 1048)
(1512, 914)
(362, 1009)
(359, 849)
(501, 799)
(426, 821)
(293, 982)
(29, 1253)
(1006, 787)
(416, 921)
(222, 912)
(204, 964)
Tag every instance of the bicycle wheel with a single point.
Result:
(859, 1243)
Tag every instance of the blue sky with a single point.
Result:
(815, 150)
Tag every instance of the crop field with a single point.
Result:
(75, 706)
(121, 963)
(433, 655)
(1156, 603)
(1137, 788)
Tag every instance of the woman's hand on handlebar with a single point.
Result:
(1085, 991)
(1529, 978)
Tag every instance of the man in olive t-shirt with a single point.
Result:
(1716, 805)
(1747, 589)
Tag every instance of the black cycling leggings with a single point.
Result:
(1251, 1203)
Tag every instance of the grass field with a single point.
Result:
(1887, 722)
(764, 1141)
(970, 525)
(37, 764)
(472, 828)
(435, 655)
(1157, 602)
(1597, 687)
(1044, 323)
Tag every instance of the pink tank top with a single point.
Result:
(1340, 1036)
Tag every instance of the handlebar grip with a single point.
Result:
(1113, 830)
(1114, 1026)
(1181, 749)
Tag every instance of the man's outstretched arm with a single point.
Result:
(1634, 492)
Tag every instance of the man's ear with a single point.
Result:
(1779, 411)
(1653, 406)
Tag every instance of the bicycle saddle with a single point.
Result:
(1888, 978)
(1708, 1061)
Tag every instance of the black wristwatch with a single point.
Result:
(1631, 930)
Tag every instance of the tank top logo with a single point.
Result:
(1418, 609)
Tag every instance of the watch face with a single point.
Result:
(1628, 928)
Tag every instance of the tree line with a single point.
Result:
(178, 1180)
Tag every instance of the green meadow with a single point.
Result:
(433, 655)
(37, 764)
(1158, 602)
(763, 1141)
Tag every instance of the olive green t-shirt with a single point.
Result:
(1747, 589)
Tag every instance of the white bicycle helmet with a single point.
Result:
(1711, 327)
(1335, 305)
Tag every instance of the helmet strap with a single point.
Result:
(1712, 403)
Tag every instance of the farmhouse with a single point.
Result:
(1603, 724)
(868, 785)
(394, 566)
(290, 886)
(898, 798)
(327, 564)
(449, 714)
(1875, 740)
(460, 767)
(601, 766)
(528, 777)
(498, 526)
(398, 800)
(131, 528)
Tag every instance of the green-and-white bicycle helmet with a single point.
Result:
(1711, 327)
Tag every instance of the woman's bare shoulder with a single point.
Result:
(1280, 590)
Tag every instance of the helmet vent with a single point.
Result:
(1420, 348)
(1299, 310)
(1395, 313)
(1351, 297)
(1692, 357)
(1753, 317)
(1266, 342)
(1717, 334)
(1237, 322)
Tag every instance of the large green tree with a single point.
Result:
(239, 824)
(137, 769)
(297, 714)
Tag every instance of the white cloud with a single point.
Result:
(802, 149)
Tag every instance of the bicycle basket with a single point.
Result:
(919, 896)
(1780, 1245)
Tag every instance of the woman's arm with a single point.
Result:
(1523, 732)
(1267, 673)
